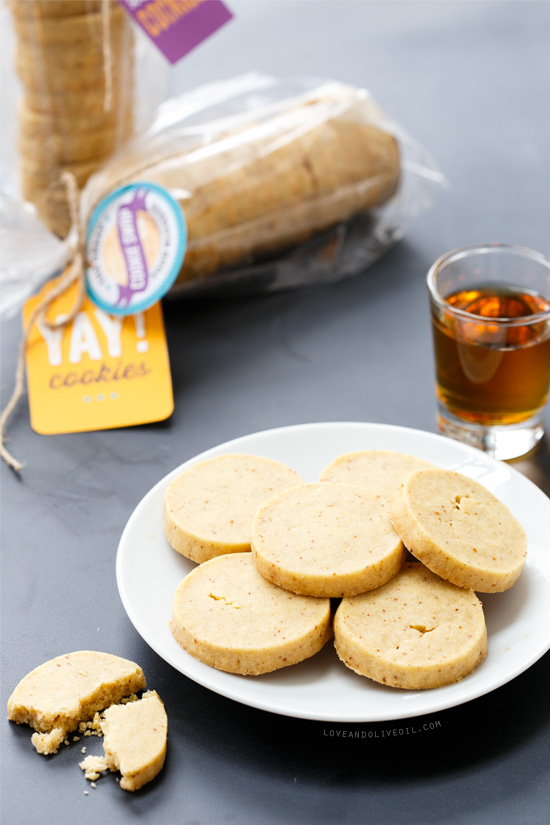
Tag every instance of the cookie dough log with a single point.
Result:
(415, 632)
(228, 616)
(325, 539)
(208, 509)
(460, 530)
(134, 741)
(378, 471)
(59, 694)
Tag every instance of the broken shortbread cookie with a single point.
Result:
(134, 742)
(68, 690)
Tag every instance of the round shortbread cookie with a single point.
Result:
(52, 78)
(59, 694)
(415, 632)
(378, 471)
(325, 539)
(53, 8)
(38, 124)
(93, 101)
(208, 509)
(81, 27)
(460, 530)
(231, 618)
(75, 54)
(68, 148)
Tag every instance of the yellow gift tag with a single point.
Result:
(99, 371)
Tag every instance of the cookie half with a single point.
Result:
(415, 632)
(228, 616)
(208, 509)
(134, 741)
(325, 539)
(460, 530)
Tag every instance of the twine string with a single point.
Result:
(73, 273)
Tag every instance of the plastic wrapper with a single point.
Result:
(77, 67)
(283, 183)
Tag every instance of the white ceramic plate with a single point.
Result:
(322, 688)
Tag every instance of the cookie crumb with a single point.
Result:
(93, 766)
(47, 743)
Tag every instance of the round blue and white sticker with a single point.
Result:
(135, 246)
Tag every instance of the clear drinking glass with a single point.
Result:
(490, 307)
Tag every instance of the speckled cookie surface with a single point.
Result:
(325, 539)
(460, 530)
(378, 471)
(69, 689)
(230, 617)
(416, 632)
(208, 509)
(135, 740)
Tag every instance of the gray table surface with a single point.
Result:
(471, 81)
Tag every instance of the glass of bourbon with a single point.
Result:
(490, 308)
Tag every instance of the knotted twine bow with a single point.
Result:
(73, 273)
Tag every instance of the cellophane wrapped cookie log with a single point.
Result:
(282, 182)
(75, 63)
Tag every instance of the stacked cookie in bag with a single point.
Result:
(74, 59)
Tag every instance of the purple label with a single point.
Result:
(177, 26)
(134, 256)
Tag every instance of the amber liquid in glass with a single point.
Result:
(488, 372)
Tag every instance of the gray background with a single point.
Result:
(471, 82)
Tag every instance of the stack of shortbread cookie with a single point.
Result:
(409, 624)
(75, 62)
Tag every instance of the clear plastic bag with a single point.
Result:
(283, 183)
